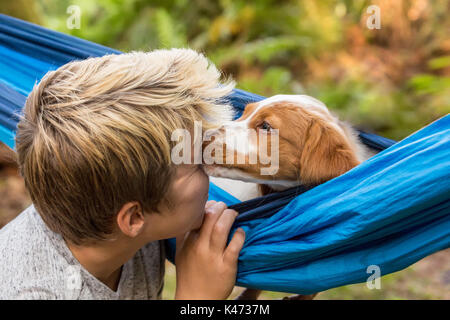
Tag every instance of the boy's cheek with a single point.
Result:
(196, 215)
(197, 225)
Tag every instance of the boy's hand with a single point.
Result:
(206, 267)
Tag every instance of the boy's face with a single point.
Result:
(188, 194)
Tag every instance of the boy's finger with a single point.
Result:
(212, 214)
(219, 235)
(234, 247)
(210, 203)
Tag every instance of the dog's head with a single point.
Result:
(312, 145)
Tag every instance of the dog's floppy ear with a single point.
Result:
(326, 153)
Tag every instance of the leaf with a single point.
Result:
(439, 63)
(167, 35)
(261, 50)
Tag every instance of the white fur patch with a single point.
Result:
(237, 174)
(238, 189)
(303, 100)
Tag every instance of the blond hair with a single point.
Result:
(96, 134)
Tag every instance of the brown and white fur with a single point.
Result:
(314, 147)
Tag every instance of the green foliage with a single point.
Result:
(439, 62)
(274, 80)
(308, 47)
(428, 83)
(168, 37)
(261, 50)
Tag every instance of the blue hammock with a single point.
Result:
(390, 211)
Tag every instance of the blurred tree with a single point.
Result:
(22, 9)
(393, 80)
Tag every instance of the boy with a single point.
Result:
(94, 147)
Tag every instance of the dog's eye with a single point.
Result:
(265, 126)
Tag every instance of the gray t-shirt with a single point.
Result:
(35, 263)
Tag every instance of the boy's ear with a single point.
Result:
(130, 219)
(326, 153)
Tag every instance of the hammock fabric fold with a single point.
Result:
(390, 211)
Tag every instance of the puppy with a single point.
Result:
(313, 146)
